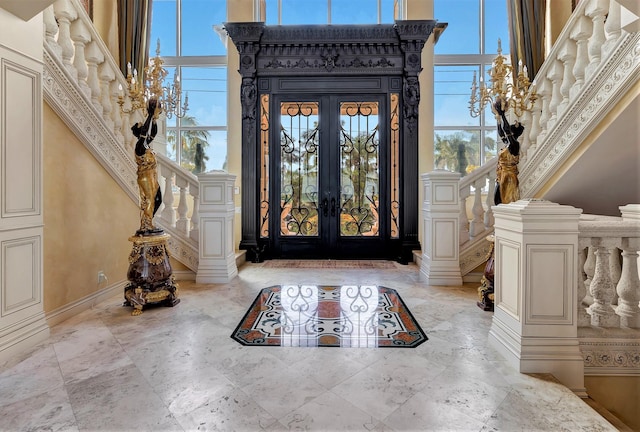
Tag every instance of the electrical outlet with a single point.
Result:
(102, 277)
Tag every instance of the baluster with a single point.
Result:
(612, 26)
(602, 289)
(545, 95)
(535, 128)
(628, 288)
(94, 57)
(589, 270)
(583, 318)
(182, 224)
(477, 224)
(106, 75)
(169, 213)
(65, 14)
(464, 219)
(567, 56)
(488, 215)
(614, 271)
(195, 215)
(81, 37)
(116, 115)
(51, 30)
(596, 10)
(580, 33)
(526, 142)
(555, 75)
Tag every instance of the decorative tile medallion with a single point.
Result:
(329, 316)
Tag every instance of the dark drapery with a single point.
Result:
(134, 20)
(526, 31)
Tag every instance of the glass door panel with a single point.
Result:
(359, 169)
(299, 175)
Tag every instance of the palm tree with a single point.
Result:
(457, 151)
(193, 143)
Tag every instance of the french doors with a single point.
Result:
(331, 186)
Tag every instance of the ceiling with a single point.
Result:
(25, 9)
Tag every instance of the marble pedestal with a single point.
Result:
(150, 275)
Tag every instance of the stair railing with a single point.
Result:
(593, 65)
(82, 83)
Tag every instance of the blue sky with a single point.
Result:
(207, 86)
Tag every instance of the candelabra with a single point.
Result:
(169, 97)
(518, 96)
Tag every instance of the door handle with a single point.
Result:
(333, 206)
(325, 207)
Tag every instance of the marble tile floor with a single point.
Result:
(177, 369)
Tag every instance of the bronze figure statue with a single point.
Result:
(150, 195)
(507, 171)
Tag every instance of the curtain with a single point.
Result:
(134, 22)
(526, 32)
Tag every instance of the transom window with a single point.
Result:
(283, 12)
(468, 45)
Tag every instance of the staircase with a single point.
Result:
(593, 70)
(81, 83)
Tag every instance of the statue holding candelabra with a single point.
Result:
(511, 96)
(150, 274)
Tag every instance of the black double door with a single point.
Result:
(331, 186)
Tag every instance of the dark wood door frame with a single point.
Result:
(323, 54)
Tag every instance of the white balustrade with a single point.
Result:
(614, 289)
(182, 218)
(588, 70)
(482, 220)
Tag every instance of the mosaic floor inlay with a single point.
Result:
(329, 316)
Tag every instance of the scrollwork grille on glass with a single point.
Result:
(299, 169)
(359, 170)
(264, 166)
(394, 132)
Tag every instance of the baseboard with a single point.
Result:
(241, 258)
(184, 275)
(473, 277)
(67, 311)
(608, 416)
(23, 336)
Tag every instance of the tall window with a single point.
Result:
(468, 45)
(192, 49)
(283, 12)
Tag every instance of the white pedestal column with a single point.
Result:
(441, 221)
(536, 266)
(217, 262)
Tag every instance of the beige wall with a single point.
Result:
(619, 395)
(239, 11)
(88, 219)
(105, 19)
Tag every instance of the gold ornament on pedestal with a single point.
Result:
(150, 274)
(505, 96)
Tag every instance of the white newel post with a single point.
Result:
(441, 219)
(535, 278)
(217, 262)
